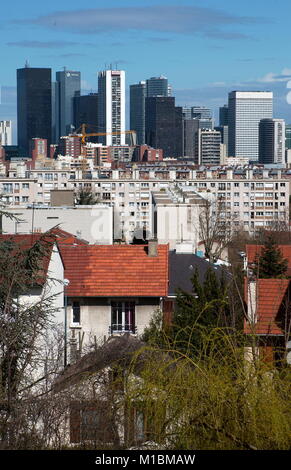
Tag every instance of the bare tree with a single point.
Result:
(27, 332)
(216, 228)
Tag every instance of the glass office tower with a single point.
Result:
(69, 86)
(34, 106)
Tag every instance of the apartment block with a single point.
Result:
(255, 197)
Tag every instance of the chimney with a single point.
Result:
(152, 248)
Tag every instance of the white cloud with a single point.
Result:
(271, 77)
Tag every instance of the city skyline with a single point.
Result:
(232, 46)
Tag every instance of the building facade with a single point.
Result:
(69, 86)
(111, 106)
(5, 132)
(34, 106)
(137, 110)
(86, 112)
(207, 148)
(245, 111)
(272, 141)
(163, 122)
(157, 86)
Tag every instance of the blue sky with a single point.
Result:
(206, 48)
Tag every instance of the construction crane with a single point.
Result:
(82, 131)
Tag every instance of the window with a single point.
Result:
(76, 313)
(91, 421)
(7, 188)
(122, 317)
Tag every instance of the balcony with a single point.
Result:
(121, 329)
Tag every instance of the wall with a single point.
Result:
(92, 223)
(96, 317)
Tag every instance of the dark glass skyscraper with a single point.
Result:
(86, 112)
(69, 86)
(137, 110)
(34, 106)
(288, 136)
(157, 86)
(163, 124)
(223, 115)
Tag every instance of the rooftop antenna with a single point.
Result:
(26, 64)
(65, 68)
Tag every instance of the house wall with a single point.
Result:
(96, 316)
(48, 346)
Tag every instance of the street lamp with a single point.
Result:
(66, 282)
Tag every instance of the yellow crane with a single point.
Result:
(81, 131)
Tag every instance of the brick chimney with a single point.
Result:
(153, 248)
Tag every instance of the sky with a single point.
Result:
(206, 48)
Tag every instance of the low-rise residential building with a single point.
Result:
(114, 289)
(268, 318)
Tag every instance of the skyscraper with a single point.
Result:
(272, 141)
(201, 112)
(224, 137)
(245, 110)
(137, 110)
(111, 106)
(223, 115)
(163, 122)
(34, 106)
(157, 86)
(68, 86)
(288, 136)
(86, 112)
(207, 148)
(5, 133)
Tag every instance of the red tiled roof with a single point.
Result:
(63, 237)
(26, 241)
(270, 298)
(115, 270)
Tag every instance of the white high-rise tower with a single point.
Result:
(5, 133)
(111, 106)
(245, 111)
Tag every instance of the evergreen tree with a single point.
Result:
(270, 264)
(197, 313)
